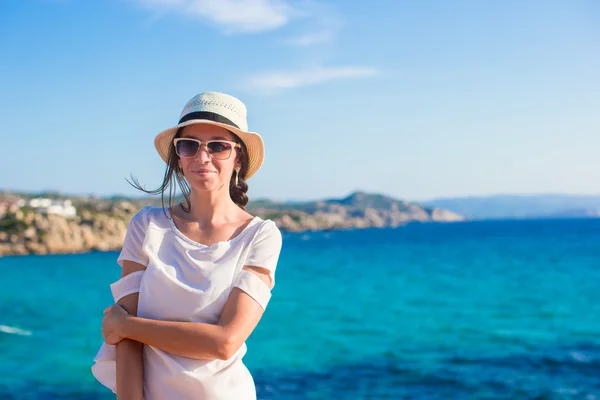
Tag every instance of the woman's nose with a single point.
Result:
(202, 154)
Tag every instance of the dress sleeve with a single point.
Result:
(265, 248)
(134, 239)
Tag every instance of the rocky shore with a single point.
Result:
(29, 232)
(101, 225)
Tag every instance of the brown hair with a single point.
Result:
(174, 174)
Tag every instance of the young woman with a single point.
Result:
(196, 276)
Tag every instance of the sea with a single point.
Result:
(506, 309)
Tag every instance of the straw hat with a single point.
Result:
(219, 109)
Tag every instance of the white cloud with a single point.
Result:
(273, 82)
(323, 25)
(233, 16)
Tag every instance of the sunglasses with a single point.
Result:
(217, 149)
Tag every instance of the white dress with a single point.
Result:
(189, 281)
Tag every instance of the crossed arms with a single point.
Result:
(122, 327)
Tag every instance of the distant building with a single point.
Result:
(58, 207)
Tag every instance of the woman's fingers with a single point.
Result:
(109, 324)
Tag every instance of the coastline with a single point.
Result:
(53, 234)
(102, 225)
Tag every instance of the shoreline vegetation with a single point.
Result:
(30, 226)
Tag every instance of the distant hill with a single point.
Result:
(387, 208)
(357, 210)
(521, 206)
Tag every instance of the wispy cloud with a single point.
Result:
(323, 25)
(277, 81)
(232, 16)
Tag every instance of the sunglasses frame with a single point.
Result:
(200, 142)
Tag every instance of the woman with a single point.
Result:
(197, 276)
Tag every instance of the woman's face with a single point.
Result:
(204, 171)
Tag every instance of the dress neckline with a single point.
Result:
(214, 245)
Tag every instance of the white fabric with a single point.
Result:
(254, 286)
(126, 285)
(189, 281)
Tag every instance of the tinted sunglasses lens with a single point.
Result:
(187, 148)
(220, 150)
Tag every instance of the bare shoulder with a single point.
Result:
(263, 273)
(247, 218)
(130, 267)
(241, 219)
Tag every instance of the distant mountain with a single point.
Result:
(521, 206)
(357, 210)
(577, 213)
(390, 211)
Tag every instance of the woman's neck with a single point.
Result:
(210, 208)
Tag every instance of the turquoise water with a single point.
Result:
(477, 310)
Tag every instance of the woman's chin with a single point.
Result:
(204, 183)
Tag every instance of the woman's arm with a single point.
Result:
(197, 340)
(130, 369)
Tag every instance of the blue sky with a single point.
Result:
(414, 99)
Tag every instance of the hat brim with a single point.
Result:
(252, 140)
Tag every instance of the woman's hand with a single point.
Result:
(112, 323)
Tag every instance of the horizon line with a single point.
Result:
(296, 199)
